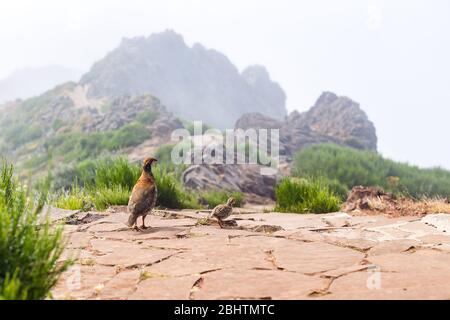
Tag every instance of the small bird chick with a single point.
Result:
(143, 196)
(223, 211)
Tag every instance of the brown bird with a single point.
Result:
(143, 196)
(223, 211)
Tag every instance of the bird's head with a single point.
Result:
(148, 162)
(231, 202)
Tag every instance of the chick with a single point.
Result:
(143, 196)
(223, 211)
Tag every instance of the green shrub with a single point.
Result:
(115, 172)
(171, 193)
(104, 197)
(29, 247)
(147, 117)
(335, 187)
(79, 146)
(19, 134)
(214, 198)
(108, 182)
(57, 124)
(101, 172)
(129, 135)
(75, 199)
(105, 182)
(164, 154)
(305, 196)
(251, 150)
(352, 167)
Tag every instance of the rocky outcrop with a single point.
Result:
(342, 118)
(257, 121)
(332, 119)
(66, 113)
(245, 178)
(126, 109)
(193, 82)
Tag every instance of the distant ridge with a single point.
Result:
(28, 82)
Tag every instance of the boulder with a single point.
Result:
(244, 178)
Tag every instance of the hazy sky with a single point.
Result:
(393, 57)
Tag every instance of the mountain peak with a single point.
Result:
(256, 73)
(326, 97)
(194, 83)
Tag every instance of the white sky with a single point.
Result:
(390, 56)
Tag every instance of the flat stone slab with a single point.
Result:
(264, 256)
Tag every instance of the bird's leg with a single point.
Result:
(136, 228)
(220, 223)
(143, 223)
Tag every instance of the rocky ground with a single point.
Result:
(266, 256)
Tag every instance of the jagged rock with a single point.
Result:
(126, 109)
(342, 118)
(245, 178)
(256, 120)
(193, 82)
(332, 119)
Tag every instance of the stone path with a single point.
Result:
(267, 256)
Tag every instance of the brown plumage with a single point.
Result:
(223, 211)
(143, 196)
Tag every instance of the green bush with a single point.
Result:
(17, 134)
(171, 193)
(129, 135)
(251, 150)
(80, 146)
(29, 247)
(109, 182)
(305, 196)
(335, 187)
(116, 172)
(214, 198)
(147, 117)
(164, 154)
(104, 197)
(352, 167)
(105, 182)
(75, 199)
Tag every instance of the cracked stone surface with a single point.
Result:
(266, 256)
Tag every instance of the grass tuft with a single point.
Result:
(305, 196)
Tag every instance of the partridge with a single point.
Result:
(223, 211)
(143, 196)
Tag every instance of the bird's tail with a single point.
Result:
(132, 220)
